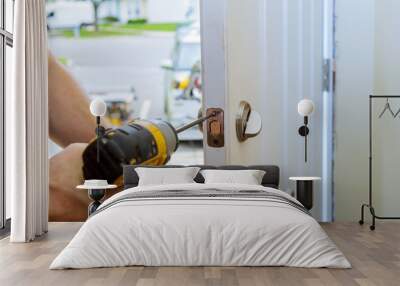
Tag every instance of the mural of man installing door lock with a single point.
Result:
(139, 142)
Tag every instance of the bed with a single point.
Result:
(199, 224)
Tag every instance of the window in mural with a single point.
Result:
(142, 59)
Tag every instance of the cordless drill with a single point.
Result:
(139, 142)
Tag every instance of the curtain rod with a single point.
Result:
(384, 96)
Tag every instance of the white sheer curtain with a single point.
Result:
(27, 124)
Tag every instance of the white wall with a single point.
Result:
(387, 81)
(367, 62)
(274, 59)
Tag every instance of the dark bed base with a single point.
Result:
(270, 179)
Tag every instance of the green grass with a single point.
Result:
(161, 27)
(131, 29)
(99, 34)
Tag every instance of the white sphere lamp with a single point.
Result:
(98, 108)
(305, 107)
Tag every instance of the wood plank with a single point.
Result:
(375, 257)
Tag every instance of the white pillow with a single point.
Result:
(248, 177)
(165, 176)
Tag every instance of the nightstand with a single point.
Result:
(304, 190)
(96, 192)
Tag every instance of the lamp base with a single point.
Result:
(304, 131)
(96, 195)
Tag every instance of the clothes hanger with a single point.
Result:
(397, 113)
(387, 107)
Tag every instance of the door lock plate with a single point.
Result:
(215, 128)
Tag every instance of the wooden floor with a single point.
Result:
(375, 257)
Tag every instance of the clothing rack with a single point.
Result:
(370, 205)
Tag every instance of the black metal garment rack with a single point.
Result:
(369, 205)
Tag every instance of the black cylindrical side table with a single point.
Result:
(96, 195)
(304, 190)
(96, 190)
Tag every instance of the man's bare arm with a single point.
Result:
(70, 120)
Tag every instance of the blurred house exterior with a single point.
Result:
(154, 11)
(74, 13)
(161, 11)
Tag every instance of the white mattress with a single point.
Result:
(200, 231)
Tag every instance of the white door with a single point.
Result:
(270, 53)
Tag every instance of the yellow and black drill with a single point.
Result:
(140, 142)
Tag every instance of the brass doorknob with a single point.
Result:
(248, 122)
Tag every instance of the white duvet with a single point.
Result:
(200, 231)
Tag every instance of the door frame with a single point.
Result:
(328, 107)
(214, 70)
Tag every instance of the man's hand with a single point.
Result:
(65, 202)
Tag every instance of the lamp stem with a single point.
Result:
(305, 138)
(305, 148)
(98, 138)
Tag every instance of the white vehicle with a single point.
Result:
(69, 14)
(182, 83)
